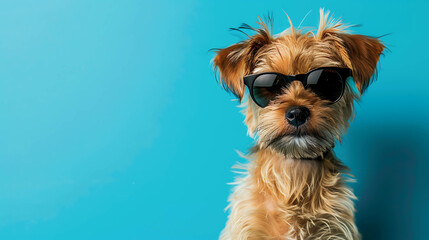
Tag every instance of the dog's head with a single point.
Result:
(289, 115)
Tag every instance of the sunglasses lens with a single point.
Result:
(266, 87)
(326, 83)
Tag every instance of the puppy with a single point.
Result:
(299, 102)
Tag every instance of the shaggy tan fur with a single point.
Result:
(293, 186)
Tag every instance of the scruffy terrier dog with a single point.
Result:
(300, 102)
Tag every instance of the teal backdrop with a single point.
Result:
(112, 125)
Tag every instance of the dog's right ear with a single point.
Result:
(238, 60)
(231, 64)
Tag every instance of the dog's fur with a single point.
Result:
(294, 186)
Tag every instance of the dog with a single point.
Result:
(299, 103)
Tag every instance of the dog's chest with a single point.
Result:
(280, 225)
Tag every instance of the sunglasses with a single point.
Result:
(327, 82)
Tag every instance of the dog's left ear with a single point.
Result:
(361, 54)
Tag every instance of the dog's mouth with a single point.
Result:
(301, 145)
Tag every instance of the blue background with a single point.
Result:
(112, 125)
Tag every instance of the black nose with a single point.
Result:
(297, 116)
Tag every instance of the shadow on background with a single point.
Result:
(393, 188)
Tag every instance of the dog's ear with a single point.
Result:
(238, 60)
(361, 54)
(231, 64)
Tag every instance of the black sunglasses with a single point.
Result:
(327, 82)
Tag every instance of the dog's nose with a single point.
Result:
(297, 116)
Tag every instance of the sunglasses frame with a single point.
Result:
(344, 73)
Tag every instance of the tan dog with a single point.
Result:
(300, 102)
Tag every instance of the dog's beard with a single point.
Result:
(302, 146)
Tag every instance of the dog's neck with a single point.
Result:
(294, 181)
